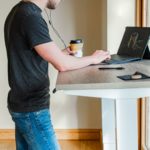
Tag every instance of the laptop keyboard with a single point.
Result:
(117, 59)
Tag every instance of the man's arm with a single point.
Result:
(51, 53)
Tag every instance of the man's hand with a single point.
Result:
(100, 55)
(68, 51)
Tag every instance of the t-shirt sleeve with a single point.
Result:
(35, 30)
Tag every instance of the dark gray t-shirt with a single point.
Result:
(27, 71)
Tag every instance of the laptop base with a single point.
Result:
(117, 59)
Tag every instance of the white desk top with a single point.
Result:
(92, 78)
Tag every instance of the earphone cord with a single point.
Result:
(54, 29)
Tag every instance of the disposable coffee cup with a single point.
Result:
(77, 47)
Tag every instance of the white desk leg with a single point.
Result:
(109, 124)
(127, 124)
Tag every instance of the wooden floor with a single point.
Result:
(65, 145)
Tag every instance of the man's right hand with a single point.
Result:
(100, 55)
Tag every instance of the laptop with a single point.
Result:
(133, 47)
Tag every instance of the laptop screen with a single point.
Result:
(134, 41)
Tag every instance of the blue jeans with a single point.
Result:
(34, 131)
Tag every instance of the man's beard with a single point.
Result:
(52, 4)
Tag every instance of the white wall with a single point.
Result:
(73, 19)
(5, 120)
(147, 116)
(148, 13)
(120, 13)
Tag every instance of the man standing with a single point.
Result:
(29, 50)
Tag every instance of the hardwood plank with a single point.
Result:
(65, 145)
(7, 145)
(70, 139)
(79, 134)
(62, 134)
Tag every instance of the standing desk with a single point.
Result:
(118, 97)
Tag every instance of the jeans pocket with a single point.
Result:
(43, 120)
(45, 129)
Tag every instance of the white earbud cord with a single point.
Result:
(49, 16)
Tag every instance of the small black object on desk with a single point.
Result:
(136, 76)
(110, 68)
(54, 90)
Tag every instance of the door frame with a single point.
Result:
(141, 21)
